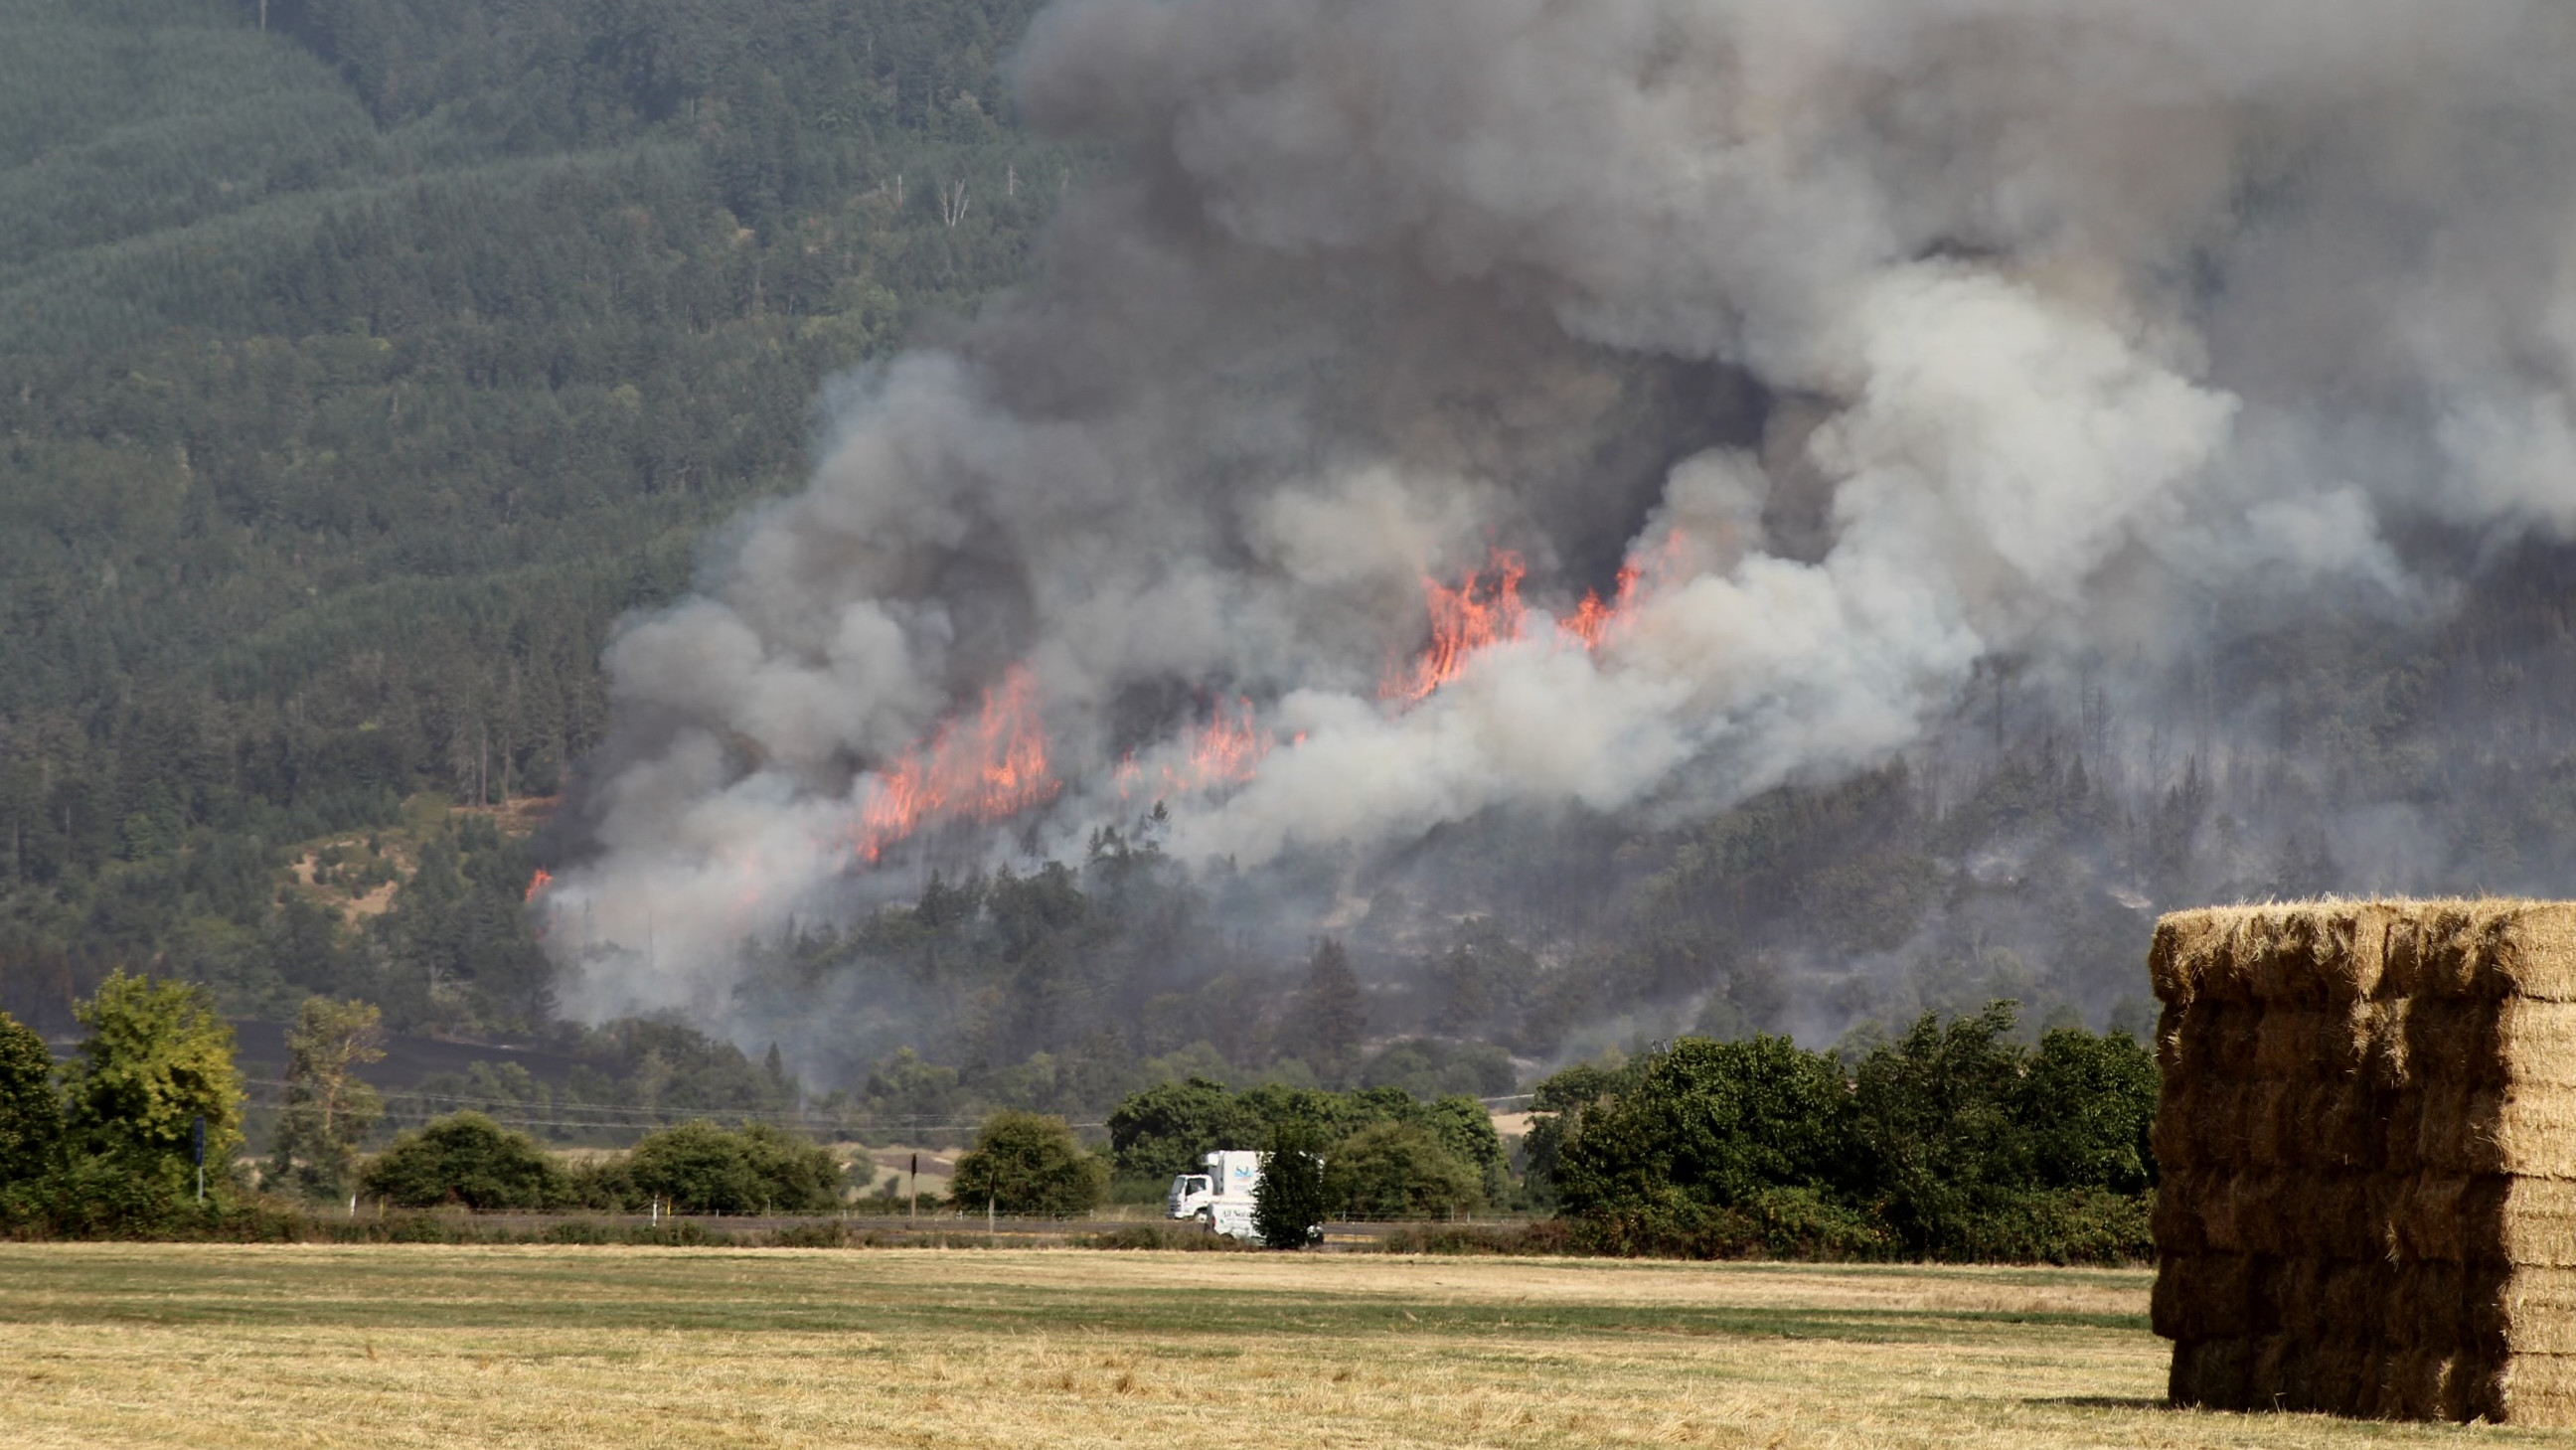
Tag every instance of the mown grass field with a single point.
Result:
(127, 1345)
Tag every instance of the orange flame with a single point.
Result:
(1225, 749)
(1592, 618)
(538, 883)
(1484, 610)
(985, 771)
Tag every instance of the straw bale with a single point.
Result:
(2368, 1131)
(2211, 1296)
(2174, 1136)
(2491, 1043)
(2217, 1372)
(2490, 949)
(2298, 1372)
(2184, 953)
(2298, 1041)
(2279, 1212)
(2533, 1224)
(2342, 951)
(2535, 1389)
(2434, 1384)
(2175, 1221)
(2456, 1128)
(2220, 1039)
(2344, 1127)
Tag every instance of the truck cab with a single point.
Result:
(1192, 1195)
(1233, 1175)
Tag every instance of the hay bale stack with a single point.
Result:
(2368, 1135)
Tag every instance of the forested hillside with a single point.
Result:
(363, 361)
(360, 362)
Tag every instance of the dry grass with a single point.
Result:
(118, 1345)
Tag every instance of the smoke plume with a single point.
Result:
(1443, 406)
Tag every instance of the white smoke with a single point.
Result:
(2108, 318)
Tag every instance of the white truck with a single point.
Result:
(1221, 1197)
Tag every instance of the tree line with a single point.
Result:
(1954, 1140)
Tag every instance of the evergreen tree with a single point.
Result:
(1290, 1202)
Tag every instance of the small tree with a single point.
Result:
(328, 1109)
(702, 1168)
(1399, 1170)
(1030, 1163)
(1289, 1202)
(31, 1112)
(466, 1158)
(157, 1059)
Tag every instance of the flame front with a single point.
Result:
(538, 883)
(1484, 610)
(987, 770)
(1592, 619)
(1224, 750)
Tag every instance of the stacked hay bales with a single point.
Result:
(2368, 1134)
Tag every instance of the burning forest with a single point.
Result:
(1635, 513)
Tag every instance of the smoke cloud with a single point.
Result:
(1876, 340)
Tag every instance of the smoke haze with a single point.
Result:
(1884, 347)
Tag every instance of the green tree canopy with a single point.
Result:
(1933, 1113)
(1292, 1199)
(1169, 1129)
(31, 1110)
(1715, 1123)
(698, 1167)
(1399, 1170)
(2089, 1104)
(157, 1059)
(466, 1158)
(1029, 1163)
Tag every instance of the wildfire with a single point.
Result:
(1592, 618)
(985, 770)
(1484, 610)
(1225, 749)
(538, 883)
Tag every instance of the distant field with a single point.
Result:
(399, 1346)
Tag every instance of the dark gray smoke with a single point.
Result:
(1887, 339)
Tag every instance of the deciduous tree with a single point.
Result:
(328, 1109)
(31, 1110)
(1030, 1163)
(157, 1059)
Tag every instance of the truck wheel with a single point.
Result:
(1207, 1218)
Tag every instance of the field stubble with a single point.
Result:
(138, 1345)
